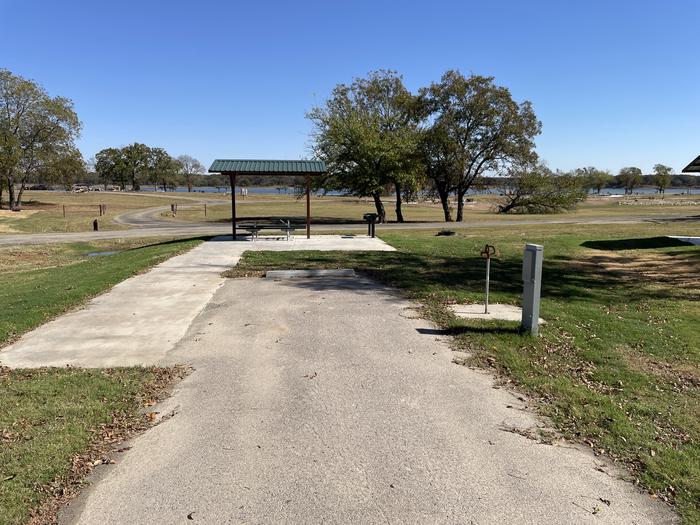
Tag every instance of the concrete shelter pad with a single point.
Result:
(497, 312)
(691, 240)
(140, 319)
(319, 401)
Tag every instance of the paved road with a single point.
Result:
(306, 406)
(139, 320)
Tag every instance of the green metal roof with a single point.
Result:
(693, 167)
(278, 167)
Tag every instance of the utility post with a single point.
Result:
(532, 284)
(487, 253)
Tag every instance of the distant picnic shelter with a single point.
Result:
(291, 168)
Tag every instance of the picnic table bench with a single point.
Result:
(256, 226)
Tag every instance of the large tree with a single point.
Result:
(479, 128)
(367, 133)
(36, 131)
(163, 169)
(536, 189)
(630, 178)
(189, 168)
(111, 168)
(137, 158)
(596, 179)
(438, 154)
(662, 177)
(64, 170)
(137, 164)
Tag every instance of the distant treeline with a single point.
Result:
(676, 181)
(222, 181)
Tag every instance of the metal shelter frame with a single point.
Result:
(292, 168)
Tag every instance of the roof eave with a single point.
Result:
(693, 167)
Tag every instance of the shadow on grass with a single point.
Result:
(448, 276)
(635, 244)
(689, 218)
(296, 220)
(163, 243)
(461, 330)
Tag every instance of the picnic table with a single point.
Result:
(255, 227)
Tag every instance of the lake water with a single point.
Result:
(273, 190)
(260, 190)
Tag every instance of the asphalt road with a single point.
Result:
(306, 406)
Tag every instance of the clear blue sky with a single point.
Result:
(614, 82)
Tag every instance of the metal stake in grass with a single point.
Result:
(487, 253)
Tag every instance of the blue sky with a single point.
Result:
(615, 83)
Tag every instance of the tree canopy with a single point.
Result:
(189, 168)
(596, 179)
(37, 133)
(374, 133)
(474, 126)
(137, 164)
(536, 189)
(367, 133)
(662, 177)
(630, 178)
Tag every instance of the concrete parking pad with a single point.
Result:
(324, 400)
(139, 320)
(497, 312)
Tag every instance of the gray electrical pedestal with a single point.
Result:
(532, 281)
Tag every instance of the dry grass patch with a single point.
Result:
(676, 269)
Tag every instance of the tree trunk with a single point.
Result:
(18, 202)
(445, 201)
(460, 205)
(399, 212)
(2, 185)
(379, 206)
(507, 207)
(11, 194)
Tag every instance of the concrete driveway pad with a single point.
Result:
(143, 317)
(324, 400)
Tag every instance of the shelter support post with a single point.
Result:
(232, 179)
(308, 206)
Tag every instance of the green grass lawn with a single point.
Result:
(54, 423)
(41, 282)
(335, 209)
(617, 366)
(43, 210)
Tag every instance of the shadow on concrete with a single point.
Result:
(357, 284)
